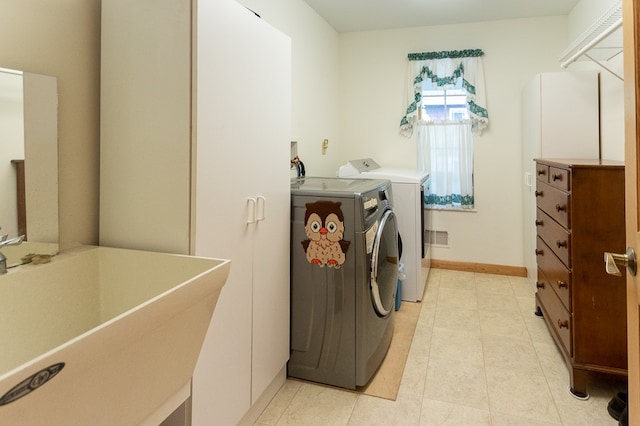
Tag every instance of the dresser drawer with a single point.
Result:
(554, 202)
(557, 238)
(542, 172)
(559, 178)
(556, 316)
(557, 274)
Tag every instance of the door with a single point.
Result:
(384, 265)
(631, 19)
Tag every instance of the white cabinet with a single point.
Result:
(194, 159)
(560, 119)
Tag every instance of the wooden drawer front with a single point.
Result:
(542, 172)
(559, 178)
(556, 237)
(555, 315)
(557, 274)
(554, 202)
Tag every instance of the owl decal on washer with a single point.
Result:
(324, 226)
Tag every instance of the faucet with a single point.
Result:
(7, 242)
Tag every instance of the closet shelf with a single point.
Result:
(600, 42)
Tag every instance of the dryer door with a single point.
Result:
(384, 265)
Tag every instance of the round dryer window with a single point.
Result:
(384, 265)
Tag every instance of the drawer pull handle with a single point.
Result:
(539, 284)
(561, 244)
(539, 252)
(538, 193)
(556, 177)
(560, 208)
(563, 284)
(542, 172)
(563, 324)
(539, 223)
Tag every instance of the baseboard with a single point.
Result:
(485, 268)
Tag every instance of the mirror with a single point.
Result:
(29, 156)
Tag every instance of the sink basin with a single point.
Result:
(103, 335)
(14, 254)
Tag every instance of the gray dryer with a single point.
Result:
(344, 272)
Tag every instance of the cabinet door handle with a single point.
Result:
(538, 193)
(539, 284)
(261, 207)
(251, 211)
(563, 284)
(539, 223)
(560, 208)
(539, 252)
(563, 324)
(561, 244)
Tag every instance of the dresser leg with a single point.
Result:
(538, 312)
(579, 381)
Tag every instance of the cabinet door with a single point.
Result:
(271, 148)
(224, 182)
(242, 104)
(569, 115)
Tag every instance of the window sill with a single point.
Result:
(451, 209)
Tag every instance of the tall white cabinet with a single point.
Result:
(560, 119)
(195, 131)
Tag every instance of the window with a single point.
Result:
(446, 106)
(439, 103)
(445, 142)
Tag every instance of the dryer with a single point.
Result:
(344, 269)
(414, 222)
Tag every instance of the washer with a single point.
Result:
(344, 271)
(414, 222)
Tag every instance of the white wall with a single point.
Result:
(373, 80)
(349, 88)
(314, 45)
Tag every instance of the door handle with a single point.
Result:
(627, 260)
(261, 206)
(251, 211)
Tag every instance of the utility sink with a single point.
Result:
(103, 336)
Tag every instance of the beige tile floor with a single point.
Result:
(478, 357)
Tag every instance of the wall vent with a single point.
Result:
(438, 238)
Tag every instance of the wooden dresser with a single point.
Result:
(580, 215)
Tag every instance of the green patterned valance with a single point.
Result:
(467, 53)
(445, 68)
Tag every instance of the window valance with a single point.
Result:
(444, 69)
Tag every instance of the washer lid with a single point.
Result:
(355, 167)
(326, 186)
(366, 168)
(396, 175)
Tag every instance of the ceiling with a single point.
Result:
(365, 15)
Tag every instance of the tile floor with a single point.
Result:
(478, 357)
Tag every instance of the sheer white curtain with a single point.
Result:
(445, 149)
